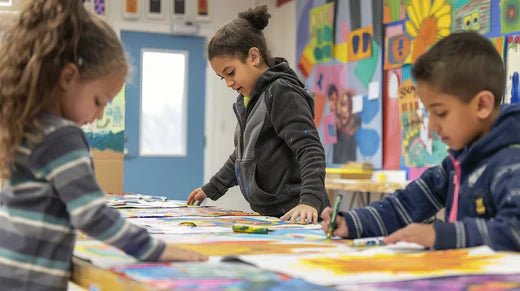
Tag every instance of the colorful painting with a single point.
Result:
(393, 10)
(349, 115)
(473, 283)
(321, 22)
(364, 267)
(474, 15)
(107, 134)
(512, 55)
(428, 21)
(260, 247)
(210, 276)
(101, 255)
(184, 211)
(510, 16)
(419, 147)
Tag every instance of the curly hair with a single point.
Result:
(48, 35)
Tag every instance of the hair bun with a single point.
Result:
(258, 16)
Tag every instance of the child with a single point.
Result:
(346, 124)
(278, 160)
(59, 68)
(460, 80)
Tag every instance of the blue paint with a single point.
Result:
(515, 94)
(106, 141)
(370, 109)
(368, 141)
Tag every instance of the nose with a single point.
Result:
(99, 113)
(230, 82)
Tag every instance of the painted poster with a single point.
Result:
(512, 55)
(348, 85)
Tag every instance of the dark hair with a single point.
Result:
(48, 35)
(238, 36)
(332, 89)
(463, 64)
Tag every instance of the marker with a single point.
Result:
(244, 228)
(368, 241)
(332, 223)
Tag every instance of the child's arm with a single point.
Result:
(224, 179)
(421, 199)
(501, 232)
(64, 160)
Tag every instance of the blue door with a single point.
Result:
(165, 175)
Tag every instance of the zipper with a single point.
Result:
(456, 184)
(241, 137)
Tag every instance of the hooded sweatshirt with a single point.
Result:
(479, 186)
(278, 161)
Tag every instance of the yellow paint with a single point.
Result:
(251, 247)
(417, 263)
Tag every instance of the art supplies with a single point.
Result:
(332, 224)
(250, 228)
(368, 241)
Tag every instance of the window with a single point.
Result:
(163, 103)
(5, 2)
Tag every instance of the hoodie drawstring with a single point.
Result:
(456, 183)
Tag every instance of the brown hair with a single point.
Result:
(463, 64)
(48, 35)
(238, 36)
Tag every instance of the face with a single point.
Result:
(239, 75)
(457, 123)
(84, 101)
(343, 111)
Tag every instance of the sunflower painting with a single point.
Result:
(428, 21)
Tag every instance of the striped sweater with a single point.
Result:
(479, 186)
(53, 191)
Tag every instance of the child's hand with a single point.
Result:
(173, 253)
(306, 213)
(196, 195)
(341, 225)
(418, 233)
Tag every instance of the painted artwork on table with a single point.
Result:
(237, 247)
(369, 267)
(101, 255)
(210, 276)
(512, 56)
(479, 282)
(347, 85)
(182, 211)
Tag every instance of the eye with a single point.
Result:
(232, 73)
(441, 114)
(221, 78)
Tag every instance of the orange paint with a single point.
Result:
(418, 263)
(251, 247)
(426, 37)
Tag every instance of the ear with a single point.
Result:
(254, 56)
(67, 75)
(484, 104)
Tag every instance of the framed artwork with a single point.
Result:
(202, 9)
(179, 8)
(100, 7)
(155, 9)
(131, 9)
